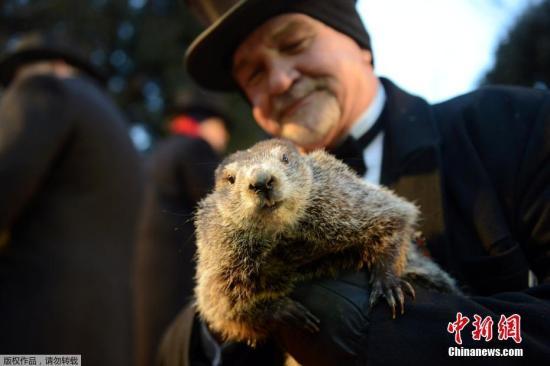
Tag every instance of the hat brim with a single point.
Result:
(11, 62)
(209, 58)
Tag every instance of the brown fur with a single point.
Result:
(318, 219)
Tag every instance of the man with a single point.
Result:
(477, 166)
(180, 172)
(71, 190)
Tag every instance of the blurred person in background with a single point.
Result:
(70, 188)
(180, 172)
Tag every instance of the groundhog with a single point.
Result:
(277, 217)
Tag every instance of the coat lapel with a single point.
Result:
(411, 163)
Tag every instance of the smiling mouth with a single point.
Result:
(294, 106)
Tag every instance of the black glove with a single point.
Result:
(342, 306)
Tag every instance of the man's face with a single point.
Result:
(306, 81)
(212, 129)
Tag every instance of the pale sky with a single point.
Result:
(437, 48)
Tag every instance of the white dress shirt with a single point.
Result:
(372, 154)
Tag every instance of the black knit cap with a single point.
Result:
(209, 58)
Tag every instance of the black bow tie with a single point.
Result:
(351, 154)
(350, 151)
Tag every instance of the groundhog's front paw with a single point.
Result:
(391, 288)
(293, 313)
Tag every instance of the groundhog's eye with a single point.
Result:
(284, 159)
(230, 179)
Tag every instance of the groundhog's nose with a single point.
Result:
(262, 184)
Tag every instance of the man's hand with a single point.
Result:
(341, 305)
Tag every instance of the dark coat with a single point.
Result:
(71, 185)
(478, 166)
(180, 172)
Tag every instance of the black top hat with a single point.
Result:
(33, 47)
(209, 57)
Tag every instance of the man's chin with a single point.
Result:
(312, 124)
(305, 138)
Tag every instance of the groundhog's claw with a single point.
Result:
(295, 314)
(400, 299)
(408, 289)
(391, 288)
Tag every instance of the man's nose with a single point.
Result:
(281, 76)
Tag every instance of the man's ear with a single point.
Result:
(366, 55)
(267, 124)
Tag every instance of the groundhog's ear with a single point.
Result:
(218, 172)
